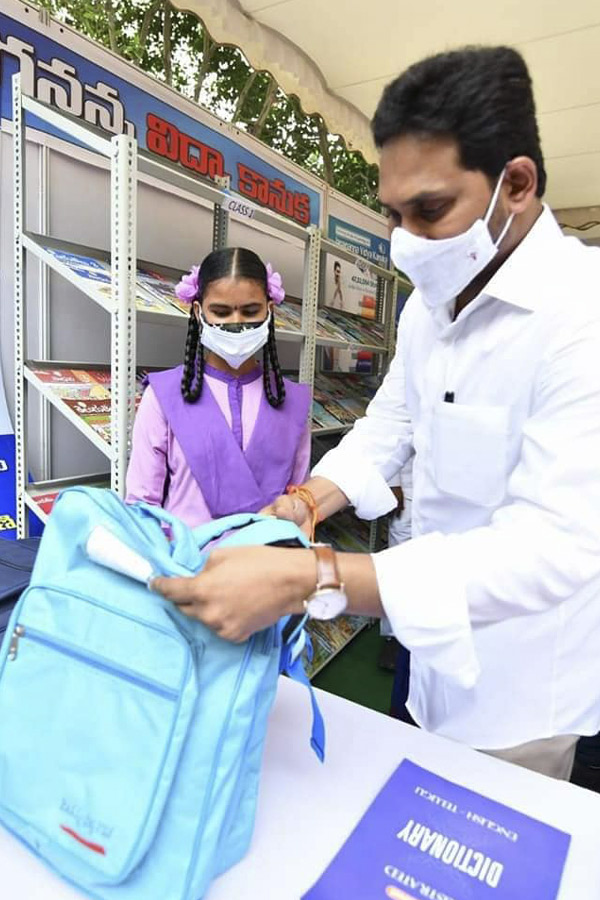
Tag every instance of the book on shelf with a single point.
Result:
(86, 392)
(321, 418)
(336, 633)
(318, 656)
(327, 330)
(288, 316)
(155, 292)
(328, 638)
(161, 288)
(95, 413)
(339, 400)
(344, 416)
(346, 538)
(88, 267)
(45, 500)
(350, 328)
(75, 383)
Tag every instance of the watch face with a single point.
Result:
(326, 604)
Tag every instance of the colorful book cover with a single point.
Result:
(342, 415)
(57, 376)
(424, 836)
(84, 266)
(148, 301)
(354, 406)
(81, 391)
(321, 418)
(328, 638)
(161, 288)
(329, 634)
(318, 656)
(88, 408)
(288, 317)
(74, 384)
(95, 413)
(102, 376)
(46, 501)
(327, 328)
(101, 425)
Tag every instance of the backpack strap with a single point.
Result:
(291, 664)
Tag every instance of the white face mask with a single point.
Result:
(441, 269)
(235, 347)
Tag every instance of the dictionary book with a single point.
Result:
(426, 837)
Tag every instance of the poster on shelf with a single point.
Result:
(351, 287)
(425, 836)
(78, 77)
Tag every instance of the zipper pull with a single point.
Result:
(14, 642)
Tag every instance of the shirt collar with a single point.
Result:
(518, 280)
(249, 377)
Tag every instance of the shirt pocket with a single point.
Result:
(470, 448)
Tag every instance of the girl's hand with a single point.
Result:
(291, 508)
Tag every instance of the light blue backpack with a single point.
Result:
(131, 736)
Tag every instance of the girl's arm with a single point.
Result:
(147, 471)
(302, 461)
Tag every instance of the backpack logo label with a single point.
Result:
(86, 827)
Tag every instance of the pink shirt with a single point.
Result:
(155, 451)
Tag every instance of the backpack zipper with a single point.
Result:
(92, 660)
(215, 764)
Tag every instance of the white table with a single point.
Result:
(306, 810)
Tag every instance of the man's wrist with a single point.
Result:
(302, 579)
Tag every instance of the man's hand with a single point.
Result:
(242, 590)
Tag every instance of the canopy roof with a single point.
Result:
(337, 55)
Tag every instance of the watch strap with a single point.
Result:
(328, 575)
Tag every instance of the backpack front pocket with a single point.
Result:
(90, 736)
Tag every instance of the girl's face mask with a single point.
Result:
(236, 342)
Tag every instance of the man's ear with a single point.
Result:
(521, 182)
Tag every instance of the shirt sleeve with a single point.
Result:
(147, 471)
(540, 548)
(302, 461)
(380, 443)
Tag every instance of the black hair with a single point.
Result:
(231, 262)
(481, 97)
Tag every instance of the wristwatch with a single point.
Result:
(329, 598)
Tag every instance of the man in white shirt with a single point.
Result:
(495, 387)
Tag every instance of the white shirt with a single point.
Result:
(498, 594)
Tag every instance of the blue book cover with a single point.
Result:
(84, 266)
(426, 837)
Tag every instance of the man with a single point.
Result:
(495, 386)
(337, 301)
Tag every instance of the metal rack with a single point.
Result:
(121, 150)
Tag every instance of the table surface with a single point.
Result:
(306, 809)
